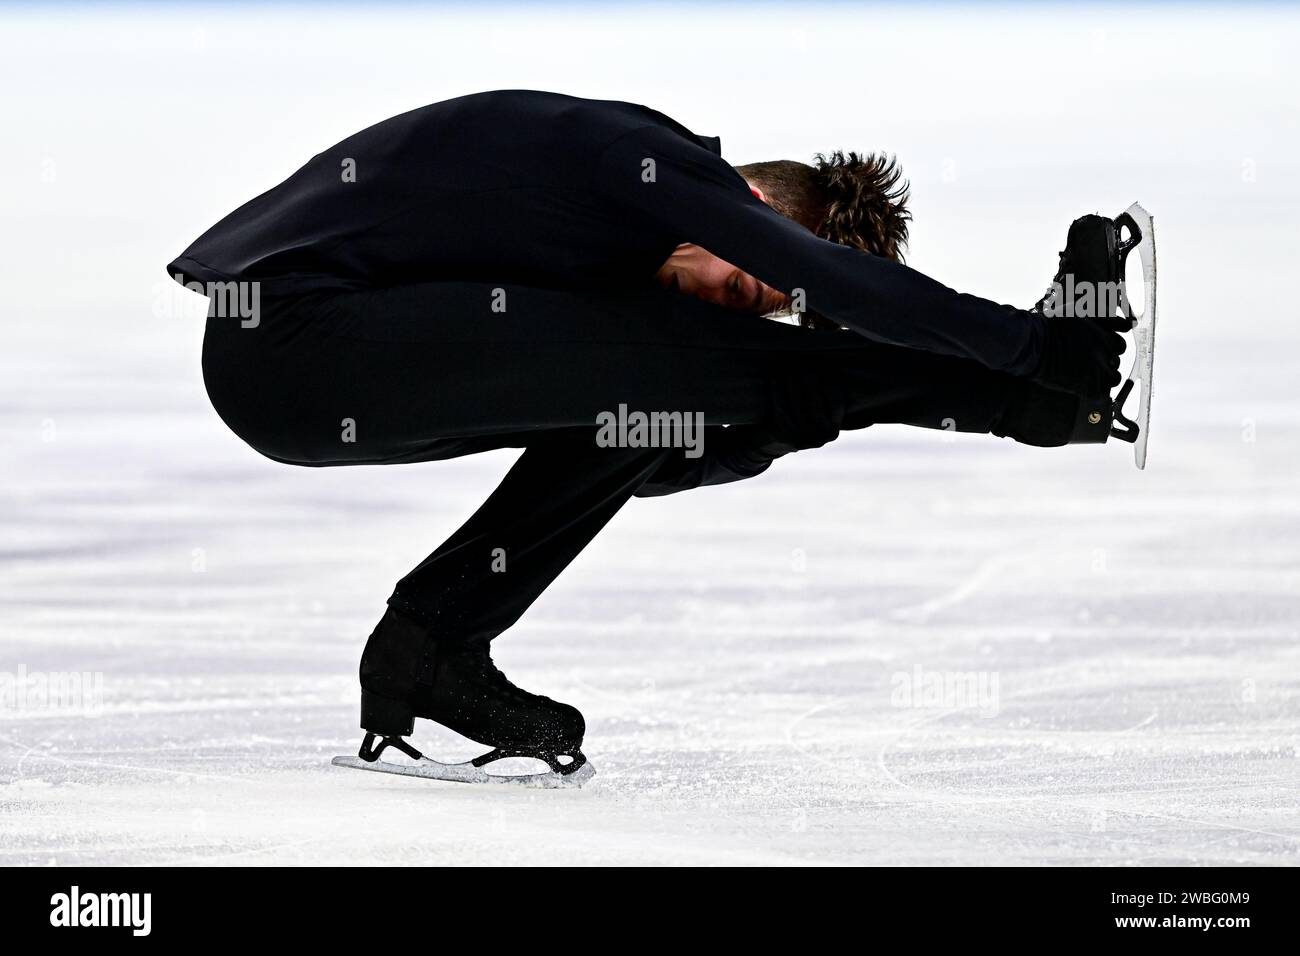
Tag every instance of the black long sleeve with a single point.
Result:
(550, 190)
(694, 196)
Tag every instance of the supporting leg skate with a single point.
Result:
(406, 673)
(566, 770)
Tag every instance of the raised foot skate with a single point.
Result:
(1092, 270)
(576, 772)
(1141, 234)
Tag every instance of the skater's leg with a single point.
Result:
(565, 488)
(416, 370)
(431, 371)
(888, 385)
(549, 506)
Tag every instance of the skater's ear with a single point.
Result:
(789, 187)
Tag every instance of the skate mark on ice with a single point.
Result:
(1141, 723)
(53, 758)
(973, 584)
(106, 850)
(193, 705)
(991, 802)
(205, 860)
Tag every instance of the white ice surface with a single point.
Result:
(734, 650)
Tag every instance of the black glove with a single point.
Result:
(1082, 355)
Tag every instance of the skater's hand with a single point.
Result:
(1082, 355)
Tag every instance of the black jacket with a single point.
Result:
(553, 190)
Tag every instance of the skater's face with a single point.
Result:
(698, 272)
(695, 271)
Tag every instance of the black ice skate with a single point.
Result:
(1090, 283)
(406, 673)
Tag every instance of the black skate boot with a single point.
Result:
(1090, 283)
(408, 673)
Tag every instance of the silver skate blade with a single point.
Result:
(1144, 331)
(468, 773)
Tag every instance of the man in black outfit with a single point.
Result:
(502, 269)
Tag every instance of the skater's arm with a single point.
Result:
(693, 196)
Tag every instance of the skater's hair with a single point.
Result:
(855, 200)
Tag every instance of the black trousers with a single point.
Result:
(433, 371)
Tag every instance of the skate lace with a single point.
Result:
(502, 684)
(1055, 283)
